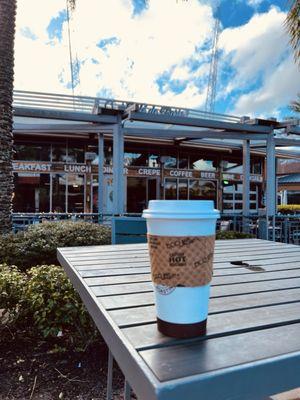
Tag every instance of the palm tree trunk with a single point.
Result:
(7, 34)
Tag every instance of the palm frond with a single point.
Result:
(292, 24)
(71, 4)
(295, 105)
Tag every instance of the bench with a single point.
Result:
(126, 230)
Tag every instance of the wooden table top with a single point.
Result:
(252, 345)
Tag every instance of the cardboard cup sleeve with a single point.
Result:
(181, 260)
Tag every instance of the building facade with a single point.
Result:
(61, 175)
(289, 181)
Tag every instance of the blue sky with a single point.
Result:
(159, 52)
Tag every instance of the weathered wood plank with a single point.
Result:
(231, 270)
(145, 336)
(221, 256)
(217, 265)
(235, 286)
(221, 292)
(147, 314)
(218, 279)
(114, 271)
(214, 354)
(100, 255)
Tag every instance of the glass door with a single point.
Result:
(139, 192)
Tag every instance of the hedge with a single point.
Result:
(289, 209)
(38, 244)
(43, 302)
(227, 235)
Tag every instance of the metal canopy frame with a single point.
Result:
(119, 118)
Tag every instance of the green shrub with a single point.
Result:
(289, 209)
(43, 302)
(38, 244)
(12, 290)
(55, 307)
(224, 235)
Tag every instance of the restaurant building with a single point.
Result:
(166, 153)
(288, 172)
(61, 174)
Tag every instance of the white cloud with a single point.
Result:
(259, 53)
(256, 46)
(278, 89)
(160, 39)
(254, 3)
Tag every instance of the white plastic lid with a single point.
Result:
(181, 209)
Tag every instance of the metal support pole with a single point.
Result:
(100, 177)
(109, 390)
(271, 195)
(118, 169)
(127, 391)
(246, 184)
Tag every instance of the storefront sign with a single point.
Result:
(77, 169)
(162, 110)
(46, 167)
(239, 177)
(25, 166)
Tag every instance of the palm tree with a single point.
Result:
(295, 105)
(292, 24)
(7, 36)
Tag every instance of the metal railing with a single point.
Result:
(88, 104)
(282, 228)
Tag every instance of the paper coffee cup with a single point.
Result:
(181, 235)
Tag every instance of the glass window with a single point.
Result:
(169, 161)
(170, 189)
(195, 189)
(32, 152)
(153, 160)
(135, 157)
(235, 167)
(183, 161)
(95, 194)
(183, 189)
(75, 154)
(32, 192)
(59, 193)
(201, 164)
(293, 197)
(203, 190)
(75, 193)
(59, 153)
(256, 167)
(108, 154)
(136, 194)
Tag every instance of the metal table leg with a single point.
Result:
(109, 391)
(127, 391)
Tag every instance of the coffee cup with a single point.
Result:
(181, 237)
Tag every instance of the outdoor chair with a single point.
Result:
(125, 230)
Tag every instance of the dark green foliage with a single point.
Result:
(289, 209)
(54, 306)
(233, 235)
(12, 290)
(44, 302)
(38, 244)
